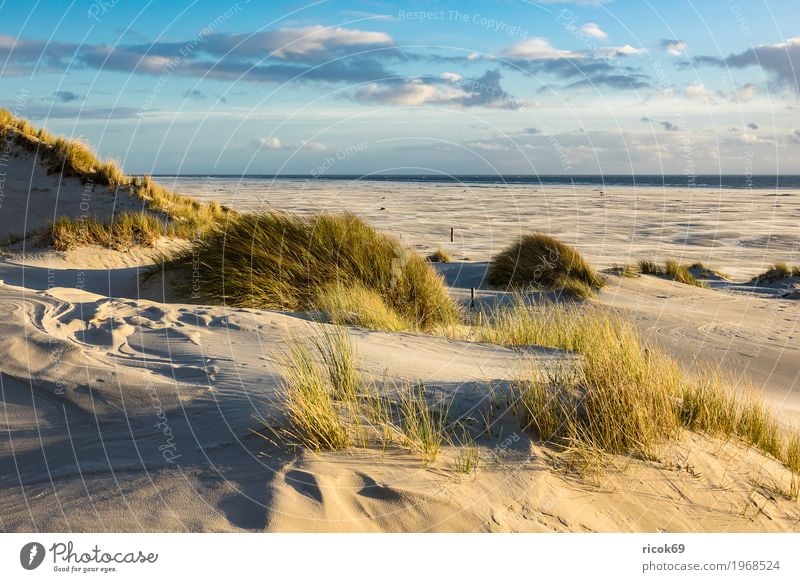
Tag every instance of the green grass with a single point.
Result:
(316, 421)
(339, 358)
(424, 427)
(288, 262)
(541, 261)
(624, 396)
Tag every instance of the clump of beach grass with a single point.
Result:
(680, 273)
(331, 407)
(423, 426)
(650, 267)
(777, 272)
(356, 305)
(671, 269)
(623, 395)
(626, 271)
(317, 423)
(539, 260)
(439, 256)
(618, 399)
(288, 262)
(125, 230)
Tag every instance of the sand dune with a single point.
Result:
(125, 410)
(33, 196)
(131, 415)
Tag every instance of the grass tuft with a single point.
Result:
(439, 256)
(423, 426)
(672, 269)
(359, 306)
(289, 262)
(680, 273)
(623, 396)
(625, 271)
(649, 267)
(539, 260)
(777, 273)
(316, 421)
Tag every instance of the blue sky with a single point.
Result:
(335, 87)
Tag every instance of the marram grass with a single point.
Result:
(624, 396)
(165, 213)
(539, 260)
(290, 262)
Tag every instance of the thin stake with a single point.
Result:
(451, 234)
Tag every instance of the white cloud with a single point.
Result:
(274, 143)
(594, 30)
(412, 93)
(483, 91)
(269, 143)
(752, 139)
(308, 40)
(745, 93)
(699, 91)
(676, 48)
(539, 49)
(625, 50)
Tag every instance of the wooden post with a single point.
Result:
(451, 234)
(472, 297)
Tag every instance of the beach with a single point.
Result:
(126, 409)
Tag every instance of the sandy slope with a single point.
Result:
(31, 197)
(128, 414)
(123, 412)
(133, 415)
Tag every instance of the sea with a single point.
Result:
(735, 181)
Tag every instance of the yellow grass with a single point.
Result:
(179, 216)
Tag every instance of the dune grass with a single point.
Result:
(539, 260)
(291, 262)
(164, 213)
(439, 256)
(649, 267)
(625, 271)
(71, 157)
(671, 269)
(313, 413)
(127, 229)
(331, 407)
(356, 305)
(681, 273)
(624, 396)
(423, 426)
(777, 272)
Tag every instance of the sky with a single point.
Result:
(361, 87)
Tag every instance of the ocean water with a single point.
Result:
(733, 181)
